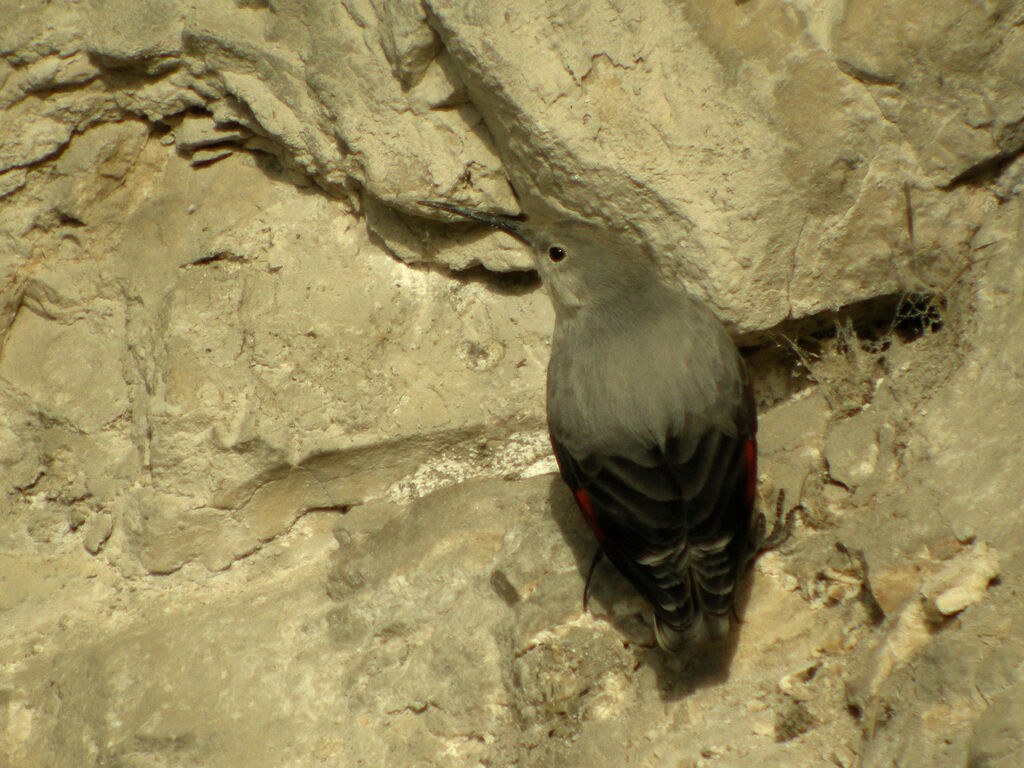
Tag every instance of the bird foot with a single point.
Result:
(761, 540)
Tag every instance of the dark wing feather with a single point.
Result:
(677, 527)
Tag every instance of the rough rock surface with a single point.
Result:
(275, 487)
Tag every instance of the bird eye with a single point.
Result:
(555, 253)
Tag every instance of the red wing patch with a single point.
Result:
(583, 500)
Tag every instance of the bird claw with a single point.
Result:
(761, 540)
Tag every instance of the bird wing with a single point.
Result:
(677, 522)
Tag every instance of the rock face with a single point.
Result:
(275, 486)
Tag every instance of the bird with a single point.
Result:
(652, 420)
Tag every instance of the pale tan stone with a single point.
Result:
(210, 357)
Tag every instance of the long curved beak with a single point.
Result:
(509, 224)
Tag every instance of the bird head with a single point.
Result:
(581, 263)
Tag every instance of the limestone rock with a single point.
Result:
(179, 351)
(971, 113)
(407, 102)
(961, 582)
(996, 741)
(227, 329)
